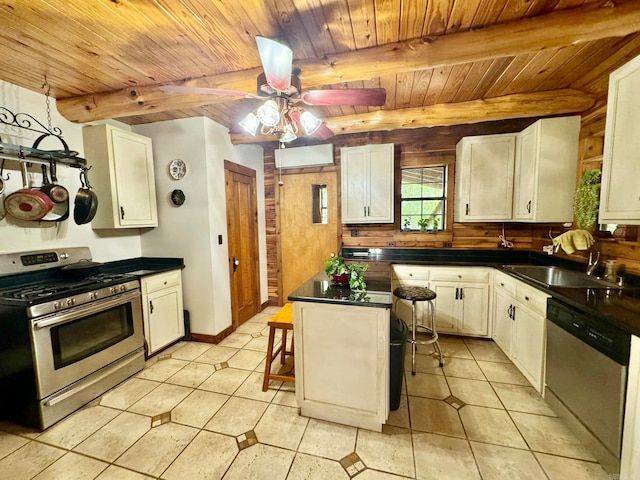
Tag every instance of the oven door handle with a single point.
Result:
(71, 314)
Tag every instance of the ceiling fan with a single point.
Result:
(280, 88)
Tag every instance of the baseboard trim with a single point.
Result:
(199, 337)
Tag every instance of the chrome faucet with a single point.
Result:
(593, 263)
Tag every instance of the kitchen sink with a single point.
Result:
(558, 277)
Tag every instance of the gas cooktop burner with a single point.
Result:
(52, 288)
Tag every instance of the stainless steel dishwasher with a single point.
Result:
(587, 361)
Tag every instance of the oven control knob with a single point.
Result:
(113, 290)
(123, 288)
(57, 305)
(70, 302)
(92, 295)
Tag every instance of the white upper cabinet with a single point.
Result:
(122, 177)
(620, 194)
(367, 184)
(545, 172)
(521, 177)
(484, 178)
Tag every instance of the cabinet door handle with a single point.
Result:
(529, 206)
(513, 313)
(150, 306)
(457, 293)
(467, 209)
(365, 211)
(121, 213)
(510, 310)
(461, 293)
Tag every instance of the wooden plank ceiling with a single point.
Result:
(442, 62)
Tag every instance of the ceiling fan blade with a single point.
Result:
(323, 133)
(366, 97)
(276, 60)
(205, 91)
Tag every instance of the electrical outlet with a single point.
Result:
(447, 244)
(391, 244)
(355, 232)
(548, 249)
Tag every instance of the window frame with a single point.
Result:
(446, 160)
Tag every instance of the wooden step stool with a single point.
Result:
(283, 320)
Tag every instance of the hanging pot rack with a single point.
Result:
(34, 154)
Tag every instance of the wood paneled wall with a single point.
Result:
(437, 146)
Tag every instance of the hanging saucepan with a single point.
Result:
(28, 203)
(86, 202)
(58, 193)
(60, 210)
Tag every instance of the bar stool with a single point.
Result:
(420, 294)
(283, 320)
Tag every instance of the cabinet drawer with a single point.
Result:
(533, 299)
(504, 282)
(410, 272)
(462, 274)
(157, 282)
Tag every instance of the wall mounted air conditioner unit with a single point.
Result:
(300, 157)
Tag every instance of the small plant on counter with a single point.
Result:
(346, 273)
(423, 223)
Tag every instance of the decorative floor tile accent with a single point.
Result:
(455, 402)
(246, 440)
(220, 366)
(256, 335)
(164, 356)
(161, 418)
(352, 464)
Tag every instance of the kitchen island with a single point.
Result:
(342, 351)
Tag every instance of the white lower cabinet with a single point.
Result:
(462, 297)
(519, 326)
(162, 309)
(342, 363)
(462, 308)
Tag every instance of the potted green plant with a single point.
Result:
(423, 223)
(587, 200)
(346, 274)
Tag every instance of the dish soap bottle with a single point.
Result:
(610, 271)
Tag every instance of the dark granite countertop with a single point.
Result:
(143, 266)
(620, 308)
(320, 290)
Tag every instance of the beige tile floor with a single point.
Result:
(476, 418)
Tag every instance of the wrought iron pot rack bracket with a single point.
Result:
(34, 154)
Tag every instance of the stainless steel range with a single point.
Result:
(68, 333)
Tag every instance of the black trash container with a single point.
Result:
(398, 340)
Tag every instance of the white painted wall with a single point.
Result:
(191, 231)
(22, 236)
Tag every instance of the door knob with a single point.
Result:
(236, 262)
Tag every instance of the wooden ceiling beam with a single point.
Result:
(521, 105)
(553, 30)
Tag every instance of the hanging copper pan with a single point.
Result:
(28, 203)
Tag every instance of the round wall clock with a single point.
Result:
(177, 169)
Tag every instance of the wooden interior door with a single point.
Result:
(242, 232)
(304, 244)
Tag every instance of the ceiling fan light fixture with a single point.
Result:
(310, 123)
(250, 123)
(289, 134)
(269, 114)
